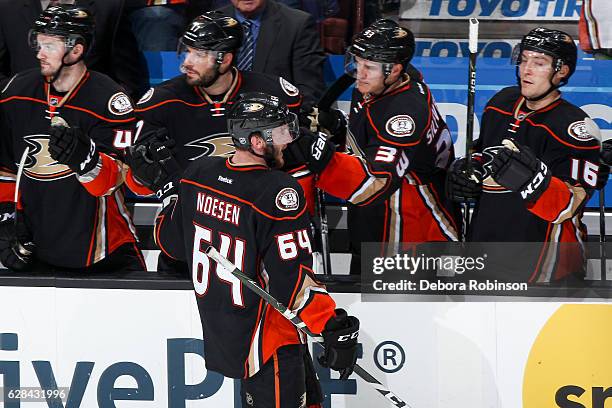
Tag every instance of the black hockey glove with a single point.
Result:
(16, 246)
(72, 147)
(7, 212)
(517, 168)
(459, 186)
(312, 149)
(606, 152)
(340, 342)
(154, 166)
(602, 176)
(605, 161)
(331, 121)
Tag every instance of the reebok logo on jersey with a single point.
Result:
(400, 126)
(287, 199)
(225, 180)
(578, 130)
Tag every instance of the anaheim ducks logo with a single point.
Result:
(39, 164)
(488, 184)
(219, 144)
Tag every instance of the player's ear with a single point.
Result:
(77, 50)
(397, 70)
(562, 73)
(228, 57)
(257, 142)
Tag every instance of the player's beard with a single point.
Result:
(273, 157)
(204, 80)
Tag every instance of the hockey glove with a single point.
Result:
(72, 147)
(459, 186)
(311, 149)
(7, 212)
(154, 166)
(16, 246)
(340, 342)
(331, 121)
(605, 161)
(517, 168)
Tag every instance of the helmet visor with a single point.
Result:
(287, 132)
(48, 43)
(195, 55)
(360, 68)
(534, 60)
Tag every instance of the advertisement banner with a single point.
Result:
(143, 348)
(524, 10)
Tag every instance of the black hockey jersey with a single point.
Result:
(197, 121)
(256, 218)
(75, 220)
(559, 137)
(396, 182)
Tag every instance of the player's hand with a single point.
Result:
(72, 147)
(516, 168)
(154, 166)
(340, 342)
(460, 186)
(312, 149)
(331, 121)
(16, 246)
(606, 152)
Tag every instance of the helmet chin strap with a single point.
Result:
(57, 73)
(550, 89)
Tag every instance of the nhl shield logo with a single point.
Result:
(287, 200)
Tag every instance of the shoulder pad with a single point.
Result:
(571, 126)
(506, 98)
(119, 104)
(284, 197)
(401, 118)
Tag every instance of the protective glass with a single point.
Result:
(358, 67)
(537, 61)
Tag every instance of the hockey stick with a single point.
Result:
(594, 131)
(469, 135)
(329, 97)
(22, 161)
(297, 322)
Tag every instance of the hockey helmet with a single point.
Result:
(213, 31)
(257, 112)
(384, 41)
(73, 23)
(557, 44)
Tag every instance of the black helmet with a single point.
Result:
(214, 31)
(559, 45)
(384, 41)
(74, 23)
(257, 112)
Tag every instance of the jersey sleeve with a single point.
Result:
(573, 159)
(112, 132)
(150, 114)
(378, 169)
(287, 255)
(168, 230)
(8, 169)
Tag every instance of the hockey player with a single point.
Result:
(255, 215)
(71, 210)
(395, 185)
(536, 162)
(188, 111)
